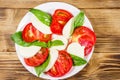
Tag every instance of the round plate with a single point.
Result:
(50, 7)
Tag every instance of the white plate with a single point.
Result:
(50, 7)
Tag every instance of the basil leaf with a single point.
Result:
(72, 27)
(41, 68)
(77, 61)
(38, 43)
(44, 17)
(17, 38)
(49, 44)
(79, 19)
(57, 43)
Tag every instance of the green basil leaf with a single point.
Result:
(77, 61)
(57, 43)
(38, 43)
(79, 19)
(41, 68)
(49, 44)
(44, 17)
(72, 27)
(17, 38)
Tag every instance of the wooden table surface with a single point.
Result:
(105, 18)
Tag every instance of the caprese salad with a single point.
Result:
(54, 43)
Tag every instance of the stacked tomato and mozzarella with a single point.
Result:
(79, 43)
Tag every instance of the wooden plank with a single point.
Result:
(9, 19)
(17, 76)
(99, 64)
(77, 3)
(105, 23)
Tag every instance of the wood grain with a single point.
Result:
(77, 3)
(105, 18)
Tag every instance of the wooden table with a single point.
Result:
(105, 18)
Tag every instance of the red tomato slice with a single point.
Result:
(56, 27)
(62, 13)
(85, 37)
(59, 19)
(30, 34)
(62, 65)
(45, 37)
(37, 59)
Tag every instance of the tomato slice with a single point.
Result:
(30, 34)
(45, 37)
(56, 27)
(59, 19)
(62, 65)
(37, 59)
(62, 13)
(85, 37)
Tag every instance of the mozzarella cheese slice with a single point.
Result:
(63, 39)
(53, 57)
(27, 52)
(40, 26)
(76, 49)
(68, 28)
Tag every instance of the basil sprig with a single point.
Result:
(77, 61)
(17, 38)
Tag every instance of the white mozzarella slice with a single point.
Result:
(27, 52)
(68, 28)
(76, 49)
(53, 57)
(40, 26)
(63, 39)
